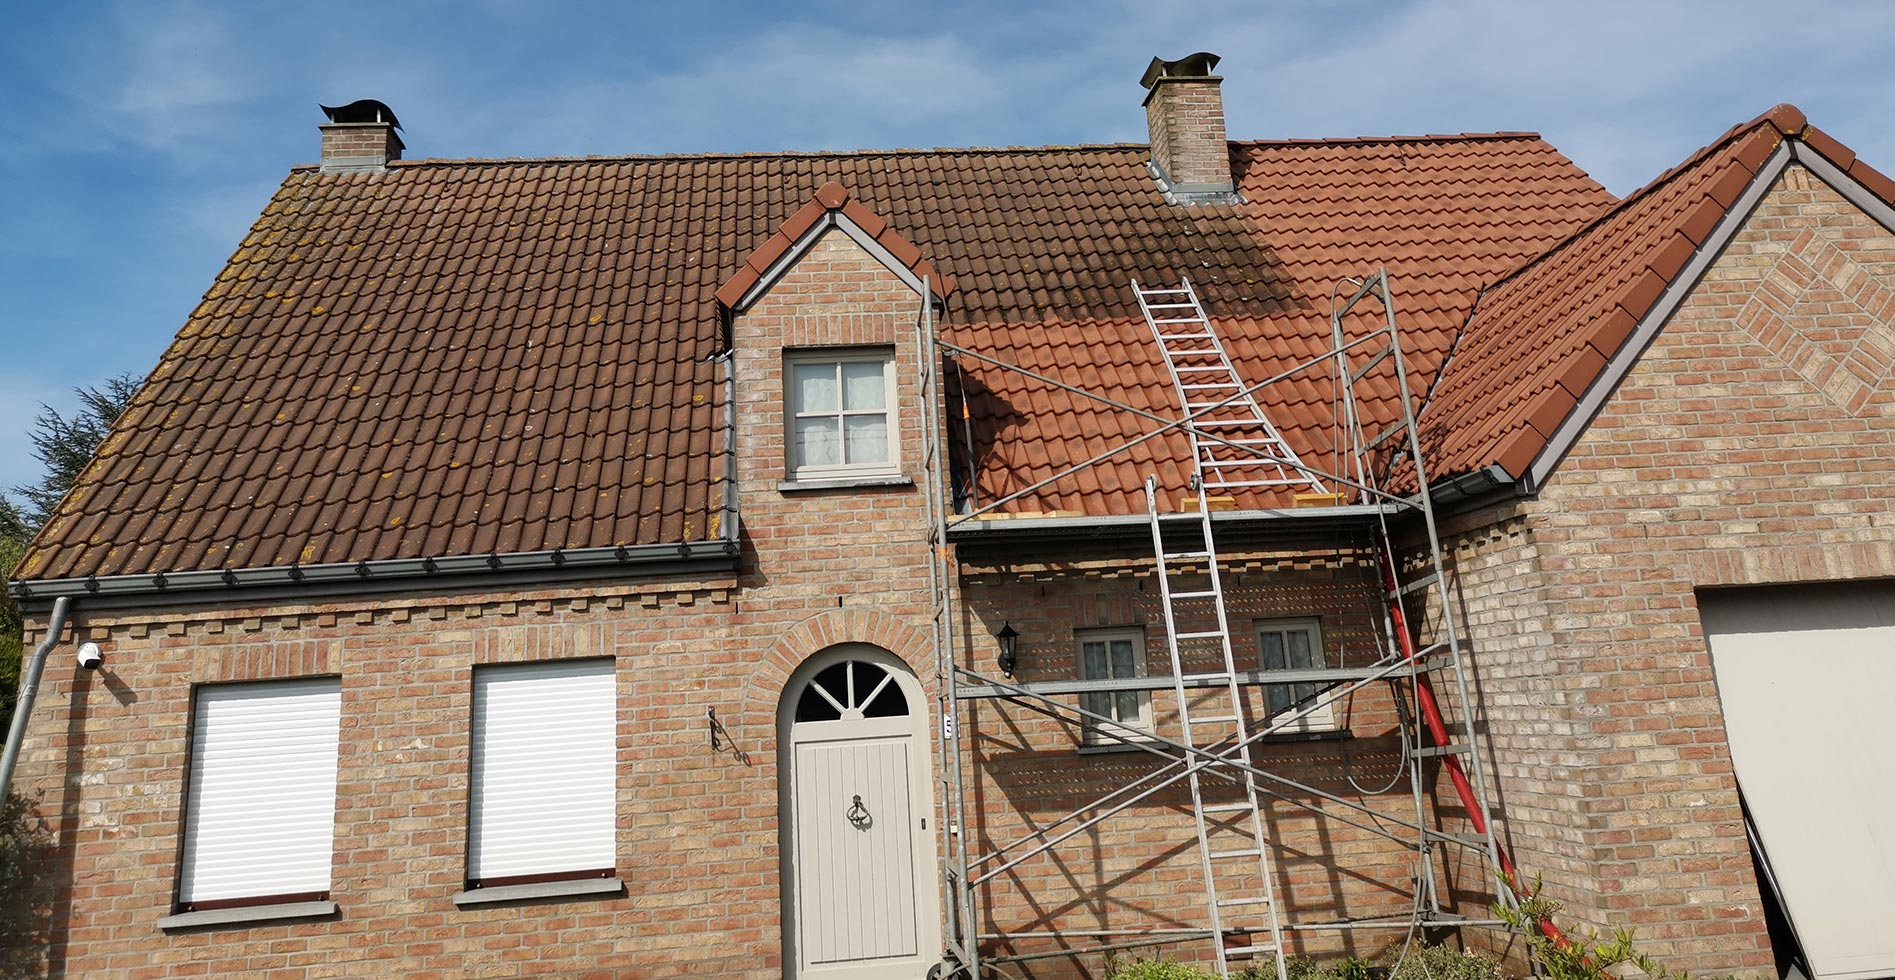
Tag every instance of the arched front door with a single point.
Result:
(857, 823)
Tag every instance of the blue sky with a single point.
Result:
(143, 137)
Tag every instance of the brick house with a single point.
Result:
(605, 567)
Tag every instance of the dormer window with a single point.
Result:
(841, 413)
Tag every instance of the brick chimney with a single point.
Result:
(1185, 109)
(359, 137)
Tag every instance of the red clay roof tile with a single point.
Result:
(1877, 182)
(1827, 145)
(489, 331)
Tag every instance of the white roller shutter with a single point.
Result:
(262, 804)
(545, 770)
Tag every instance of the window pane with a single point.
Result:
(891, 703)
(835, 680)
(814, 387)
(862, 385)
(868, 438)
(1299, 649)
(817, 443)
(1128, 707)
(1279, 697)
(1092, 660)
(1099, 704)
(1122, 663)
(813, 707)
(1272, 651)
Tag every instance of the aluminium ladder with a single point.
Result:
(1233, 444)
(1231, 836)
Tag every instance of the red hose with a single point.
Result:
(1438, 734)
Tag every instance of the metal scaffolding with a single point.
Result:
(1368, 469)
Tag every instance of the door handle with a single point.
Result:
(858, 814)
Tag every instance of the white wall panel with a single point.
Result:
(1804, 674)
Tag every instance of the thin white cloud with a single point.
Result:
(173, 79)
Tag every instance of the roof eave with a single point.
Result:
(460, 572)
(1470, 490)
(1279, 523)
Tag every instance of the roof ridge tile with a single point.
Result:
(748, 155)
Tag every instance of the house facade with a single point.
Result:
(605, 567)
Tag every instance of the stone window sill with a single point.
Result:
(846, 483)
(1324, 735)
(570, 888)
(1107, 746)
(247, 915)
(1280, 738)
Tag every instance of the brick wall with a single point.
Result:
(1139, 869)
(1754, 443)
(1186, 118)
(698, 836)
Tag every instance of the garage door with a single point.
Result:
(1807, 677)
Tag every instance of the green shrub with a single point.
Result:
(1304, 968)
(1158, 969)
(1300, 968)
(1434, 962)
(25, 890)
(1570, 959)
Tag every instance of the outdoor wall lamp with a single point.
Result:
(1009, 648)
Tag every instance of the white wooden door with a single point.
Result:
(1804, 674)
(861, 857)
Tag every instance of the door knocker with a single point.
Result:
(858, 814)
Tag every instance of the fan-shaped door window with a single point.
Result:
(849, 690)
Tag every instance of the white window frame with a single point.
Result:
(1111, 703)
(530, 817)
(1323, 718)
(839, 356)
(260, 796)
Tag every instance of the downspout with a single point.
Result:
(732, 528)
(29, 690)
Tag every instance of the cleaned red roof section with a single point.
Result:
(1543, 335)
(830, 197)
(1446, 214)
